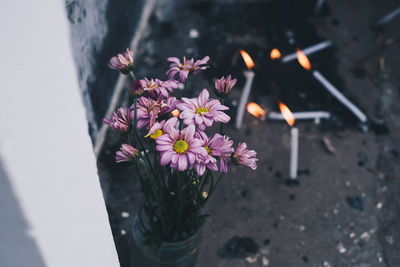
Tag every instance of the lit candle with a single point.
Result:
(249, 74)
(294, 140)
(258, 112)
(305, 63)
(308, 51)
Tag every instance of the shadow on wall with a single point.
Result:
(17, 247)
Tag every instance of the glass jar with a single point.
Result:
(168, 254)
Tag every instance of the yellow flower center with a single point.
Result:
(181, 146)
(208, 149)
(201, 110)
(156, 134)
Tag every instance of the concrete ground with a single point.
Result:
(345, 212)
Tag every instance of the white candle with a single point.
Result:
(339, 96)
(308, 51)
(318, 5)
(294, 151)
(388, 17)
(244, 97)
(306, 115)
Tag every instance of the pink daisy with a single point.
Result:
(202, 111)
(122, 62)
(147, 112)
(183, 69)
(180, 148)
(119, 122)
(224, 151)
(154, 87)
(224, 86)
(126, 153)
(246, 157)
(160, 128)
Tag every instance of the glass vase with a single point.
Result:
(168, 254)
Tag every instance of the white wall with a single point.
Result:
(44, 145)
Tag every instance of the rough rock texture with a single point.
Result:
(99, 30)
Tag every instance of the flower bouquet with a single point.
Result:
(179, 161)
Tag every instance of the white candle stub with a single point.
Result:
(305, 115)
(308, 51)
(294, 151)
(339, 96)
(244, 97)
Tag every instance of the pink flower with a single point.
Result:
(122, 62)
(209, 161)
(137, 88)
(223, 86)
(224, 151)
(126, 153)
(155, 87)
(119, 122)
(147, 112)
(202, 111)
(184, 69)
(160, 128)
(167, 105)
(180, 148)
(246, 157)
(217, 147)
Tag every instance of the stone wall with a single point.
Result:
(100, 29)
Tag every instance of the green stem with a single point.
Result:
(132, 76)
(146, 156)
(214, 186)
(135, 118)
(221, 126)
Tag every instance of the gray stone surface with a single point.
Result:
(99, 30)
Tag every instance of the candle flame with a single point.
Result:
(303, 60)
(287, 114)
(275, 54)
(247, 59)
(175, 113)
(256, 110)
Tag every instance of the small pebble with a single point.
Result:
(341, 248)
(365, 236)
(380, 259)
(123, 232)
(124, 214)
(389, 239)
(302, 228)
(352, 235)
(194, 33)
(379, 205)
(265, 261)
(335, 211)
(327, 264)
(252, 259)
